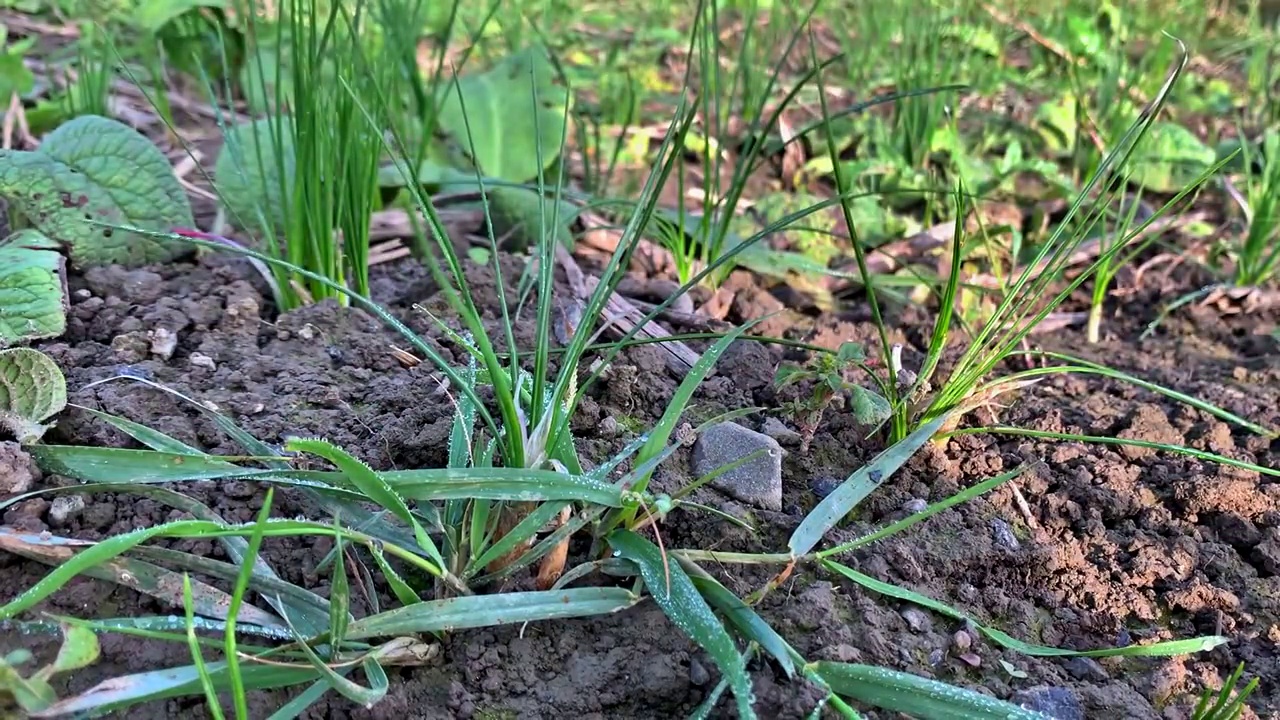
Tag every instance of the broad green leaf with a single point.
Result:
(916, 696)
(153, 15)
(522, 212)
(488, 610)
(247, 172)
(676, 594)
(497, 116)
(1169, 158)
(852, 491)
(97, 170)
(868, 408)
(32, 390)
(32, 289)
(79, 649)
(1056, 121)
(851, 352)
(1162, 649)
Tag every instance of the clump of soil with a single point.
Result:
(1114, 545)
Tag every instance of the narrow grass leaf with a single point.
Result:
(153, 439)
(1174, 647)
(489, 610)
(749, 624)
(372, 485)
(837, 505)
(144, 577)
(1103, 440)
(128, 690)
(676, 594)
(961, 497)
(916, 696)
(197, 655)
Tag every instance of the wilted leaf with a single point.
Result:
(32, 389)
(94, 169)
(32, 289)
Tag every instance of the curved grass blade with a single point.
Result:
(153, 439)
(144, 577)
(1101, 440)
(894, 528)
(488, 610)
(1082, 366)
(127, 690)
(132, 466)
(676, 594)
(916, 696)
(372, 486)
(749, 624)
(197, 657)
(837, 505)
(1173, 647)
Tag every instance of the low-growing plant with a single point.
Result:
(827, 374)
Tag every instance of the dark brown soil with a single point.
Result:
(1121, 545)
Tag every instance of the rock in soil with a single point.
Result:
(17, 470)
(757, 481)
(1058, 703)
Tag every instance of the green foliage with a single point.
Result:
(35, 694)
(32, 289)
(32, 390)
(1224, 706)
(255, 173)
(827, 373)
(1171, 158)
(94, 171)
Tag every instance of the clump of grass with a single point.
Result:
(307, 172)
(1257, 255)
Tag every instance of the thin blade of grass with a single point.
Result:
(916, 696)
(1163, 649)
(1175, 449)
(860, 484)
(893, 529)
(749, 624)
(678, 597)
(144, 577)
(475, 611)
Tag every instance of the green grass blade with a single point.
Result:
(144, 577)
(128, 690)
(1175, 449)
(676, 594)
(860, 484)
(489, 610)
(894, 528)
(372, 485)
(1163, 649)
(739, 614)
(197, 656)
(153, 439)
(916, 696)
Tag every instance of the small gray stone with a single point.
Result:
(18, 470)
(1003, 534)
(776, 429)
(1087, 669)
(823, 486)
(698, 675)
(757, 481)
(914, 505)
(1058, 703)
(917, 620)
(65, 507)
(608, 427)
